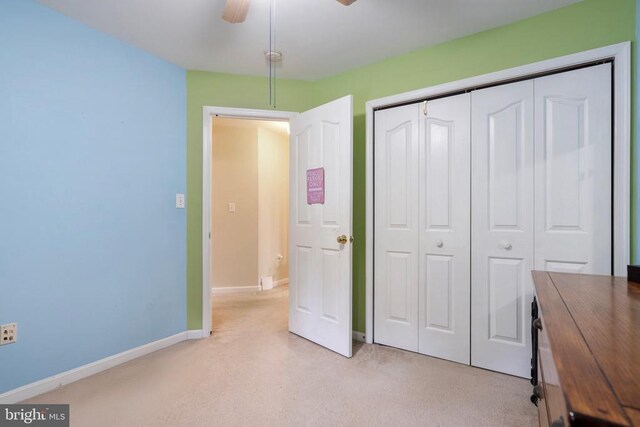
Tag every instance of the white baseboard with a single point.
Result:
(34, 389)
(234, 289)
(358, 336)
(281, 282)
(240, 289)
(196, 334)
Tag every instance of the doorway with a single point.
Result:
(249, 206)
(320, 226)
(244, 120)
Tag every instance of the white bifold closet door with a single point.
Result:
(573, 201)
(422, 240)
(396, 227)
(445, 270)
(541, 162)
(474, 191)
(502, 227)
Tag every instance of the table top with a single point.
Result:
(593, 324)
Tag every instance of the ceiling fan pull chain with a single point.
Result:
(275, 70)
(270, 49)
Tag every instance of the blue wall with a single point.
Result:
(92, 153)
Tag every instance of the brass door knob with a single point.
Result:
(342, 239)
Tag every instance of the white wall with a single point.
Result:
(273, 203)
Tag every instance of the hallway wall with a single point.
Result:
(250, 167)
(234, 178)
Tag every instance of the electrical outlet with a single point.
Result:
(8, 333)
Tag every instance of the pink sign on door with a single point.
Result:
(315, 186)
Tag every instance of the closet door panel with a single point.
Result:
(444, 193)
(573, 198)
(502, 227)
(396, 255)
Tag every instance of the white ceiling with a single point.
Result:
(318, 38)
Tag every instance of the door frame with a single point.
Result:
(208, 113)
(620, 54)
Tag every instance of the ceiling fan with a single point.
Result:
(236, 10)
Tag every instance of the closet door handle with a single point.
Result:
(505, 245)
(439, 243)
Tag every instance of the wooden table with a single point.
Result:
(588, 349)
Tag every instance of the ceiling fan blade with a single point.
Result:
(235, 11)
(347, 2)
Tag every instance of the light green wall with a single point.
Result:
(585, 25)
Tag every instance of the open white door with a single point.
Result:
(320, 225)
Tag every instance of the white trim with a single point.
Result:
(369, 206)
(621, 53)
(34, 389)
(358, 336)
(234, 289)
(207, 127)
(622, 160)
(196, 334)
(281, 282)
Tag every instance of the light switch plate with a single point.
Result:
(180, 201)
(232, 207)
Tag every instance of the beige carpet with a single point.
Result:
(253, 372)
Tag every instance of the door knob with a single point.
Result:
(439, 243)
(537, 323)
(342, 239)
(505, 245)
